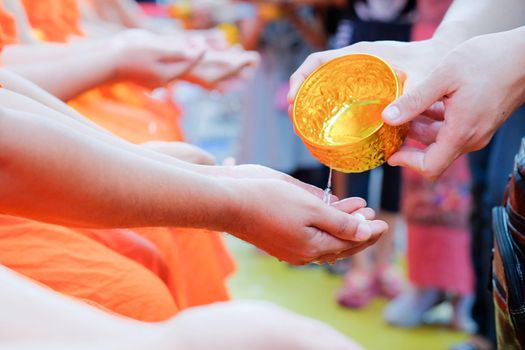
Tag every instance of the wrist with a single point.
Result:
(118, 52)
(230, 216)
(451, 34)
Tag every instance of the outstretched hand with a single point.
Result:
(289, 220)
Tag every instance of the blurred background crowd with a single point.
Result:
(431, 272)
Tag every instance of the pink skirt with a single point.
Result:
(439, 257)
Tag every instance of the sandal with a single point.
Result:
(408, 309)
(358, 290)
(389, 282)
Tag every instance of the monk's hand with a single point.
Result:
(251, 325)
(153, 60)
(221, 68)
(183, 151)
(458, 107)
(295, 225)
(412, 60)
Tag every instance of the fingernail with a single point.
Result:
(360, 217)
(391, 113)
(363, 232)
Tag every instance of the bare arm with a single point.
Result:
(87, 183)
(466, 19)
(22, 95)
(145, 58)
(68, 75)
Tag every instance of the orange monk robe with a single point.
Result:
(70, 262)
(197, 261)
(57, 22)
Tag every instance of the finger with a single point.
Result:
(371, 229)
(322, 244)
(418, 100)
(424, 130)
(350, 205)
(430, 162)
(367, 213)
(401, 75)
(354, 249)
(342, 225)
(436, 111)
(309, 65)
(177, 69)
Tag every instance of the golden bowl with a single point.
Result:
(337, 113)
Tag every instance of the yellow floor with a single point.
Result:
(311, 292)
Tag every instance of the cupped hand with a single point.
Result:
(296, 226)
(458, 107)
(153, 60)
(223, 67)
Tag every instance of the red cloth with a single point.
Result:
(430, 13)
(439, 258)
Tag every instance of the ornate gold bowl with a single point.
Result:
(337, 113)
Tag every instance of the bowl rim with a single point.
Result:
(322, 66)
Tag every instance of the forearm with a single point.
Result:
(84, 182)
(24, 53)
(69, 75)
(466, 19)
(47, 106)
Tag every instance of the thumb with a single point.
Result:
(418, 100)
(347, 227)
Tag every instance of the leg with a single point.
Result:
(389, 280)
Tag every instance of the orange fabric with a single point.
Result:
(198, 262)
(127, 110)
(7, 28)
(55, 20)
(67, 261)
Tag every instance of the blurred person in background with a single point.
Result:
(373, 273)
(284, 33)
(438, 241)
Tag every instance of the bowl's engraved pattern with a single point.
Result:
(349, 78)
